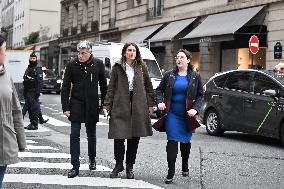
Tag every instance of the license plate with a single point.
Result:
(49, 86)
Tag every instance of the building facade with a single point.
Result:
(216, 32)
(7, 18)
(33, 16)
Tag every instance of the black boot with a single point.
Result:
(92, 165)
(73, 173)
(170, 176)
(31, 127)
(117, 169)
(129, 171)
(42, 121)
(185, 170)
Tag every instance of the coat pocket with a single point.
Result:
(10, 148)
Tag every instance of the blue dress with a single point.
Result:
(176, 127)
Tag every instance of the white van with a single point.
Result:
(110, 53)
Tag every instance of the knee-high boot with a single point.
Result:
(185, 151)
(172, 151)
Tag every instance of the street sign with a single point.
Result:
(254, 44)
(278, 51)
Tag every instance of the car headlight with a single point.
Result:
(58, 81)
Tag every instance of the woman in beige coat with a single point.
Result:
(12, 134)
(129, 100)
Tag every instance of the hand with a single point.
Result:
(162, 106)
(22, 150)
(67, 113)
(105, 112)
(150, 110)
(192, 112)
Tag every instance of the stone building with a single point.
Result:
(216, 32)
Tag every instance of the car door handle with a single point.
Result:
(249, 100)
(217, 95)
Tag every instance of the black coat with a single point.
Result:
(84, 101)
(195, 90)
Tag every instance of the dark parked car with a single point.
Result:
(51, 82)
(249, 101)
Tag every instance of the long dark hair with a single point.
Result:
(138, 58)
(188, 56)
(2, 40)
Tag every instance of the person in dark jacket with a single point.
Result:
(12, 134)
(84, 74)
(33, 83)
(129, 100)
(178, 86)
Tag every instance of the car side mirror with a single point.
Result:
(270, 92)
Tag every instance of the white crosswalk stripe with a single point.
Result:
(53, 178)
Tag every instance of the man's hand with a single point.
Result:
(105, 112)
(67, 113)
(150, 109)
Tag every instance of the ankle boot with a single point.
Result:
(185, 170)
(73, 172)
(117, 169)
(129, 171)
(170, 176)
(92, 165)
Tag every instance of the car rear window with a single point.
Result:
(220, 80)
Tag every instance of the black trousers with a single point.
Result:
(75, 142)
(172, 151)
(33, 107)
(119, 150)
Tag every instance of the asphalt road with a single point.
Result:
(235, 160)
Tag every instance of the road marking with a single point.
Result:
(44, 155)
(55, 122)
(31, 147)
(31, 142)
(63, 166)
(78, 181)
(58, 113)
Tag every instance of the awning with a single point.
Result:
(140, 34)
(171, 30)
(223, 24)
(32, 47)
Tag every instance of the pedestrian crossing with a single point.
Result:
(49, 169)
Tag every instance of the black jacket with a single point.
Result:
(195, 89)
(84, 101)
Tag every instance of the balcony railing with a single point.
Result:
(154, 12)
(84, 28)
(95, 26)
(74, 30)
(65, 32)
(111, 23)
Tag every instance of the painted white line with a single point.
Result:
(63, 166)
(44, 155)
(63, 116)
(55, 122)
(57, 113)
(31, 142)
(102, 124)
(56, 110)
(78, 181)
(31, 147)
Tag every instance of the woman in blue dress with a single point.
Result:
(177, 86)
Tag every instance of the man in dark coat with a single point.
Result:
(33, 83)
(82, 76)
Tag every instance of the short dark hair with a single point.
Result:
(2, 40)
(187, 53)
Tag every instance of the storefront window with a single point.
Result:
(246, 60)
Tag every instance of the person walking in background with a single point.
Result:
(129, 100)
(176, 87)
(83, 74)
(33, 83)
(12, 134)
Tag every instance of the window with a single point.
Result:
(262, 83)
(239, 81)
(220, 80)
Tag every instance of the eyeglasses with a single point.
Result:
(180, 57)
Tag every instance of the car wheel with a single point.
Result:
(213, 123)
(282, 134)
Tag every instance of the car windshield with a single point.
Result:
(48, 74)
(154, 71)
